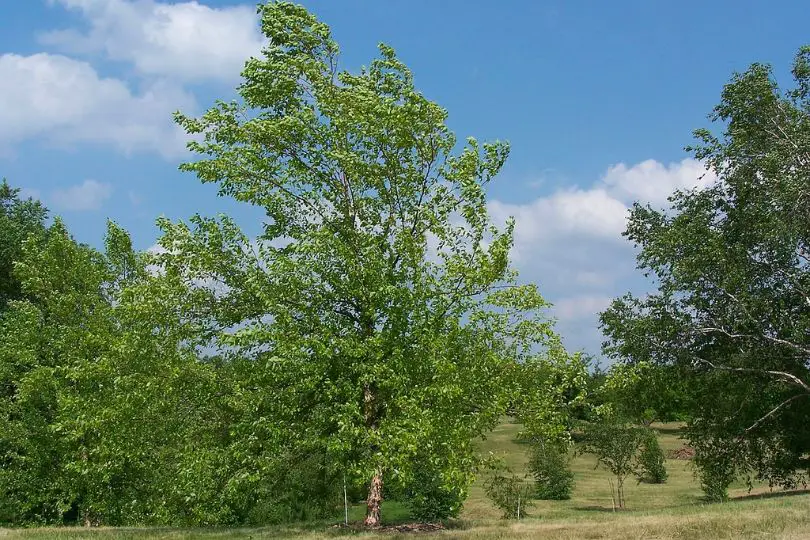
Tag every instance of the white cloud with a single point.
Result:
(65, 102)
(89, 195)
(581, 306)
(183, 41)
(569, 242)
(652, 181)
(569, 212)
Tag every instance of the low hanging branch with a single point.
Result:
(783, 375)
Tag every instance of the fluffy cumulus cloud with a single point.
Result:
(653, 182)
(570, 243)
(89, 195)
(62, 98)
(184, 41)
(66, 102)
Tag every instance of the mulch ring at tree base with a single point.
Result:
(403, 527)
(686, 452)
(414, 527)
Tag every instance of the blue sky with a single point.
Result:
(597, 99)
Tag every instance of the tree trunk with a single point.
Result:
(374, 500)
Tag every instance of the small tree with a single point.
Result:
(652, 464)
(714, 464)
(616, 447)
(510, 492)
(550, 465)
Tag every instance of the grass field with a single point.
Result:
(671, 510)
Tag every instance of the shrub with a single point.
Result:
(429, 498)
(651, 461)
(716, 473)
(550, 465)
(512, 494)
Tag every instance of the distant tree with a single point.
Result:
(616, 445)
(550, 464)
(651, 460)
(732, 268)
(645, 392)
(377, 302)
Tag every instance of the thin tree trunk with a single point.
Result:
(374, 500)
(345, 503)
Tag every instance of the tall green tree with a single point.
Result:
(732, 267)
(377, 301)
(18, 219)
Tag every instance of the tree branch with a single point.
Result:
(796, 346)
(785, 376)
(774, 411)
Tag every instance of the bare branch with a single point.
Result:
(774, 411)
(787, 343)
(785, 376)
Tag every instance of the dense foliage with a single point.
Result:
(95, 402)
(646, 392)
(19, 218)
(732, 267)
(550, 464)
(551, 393)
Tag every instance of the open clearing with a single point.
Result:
(671, 510)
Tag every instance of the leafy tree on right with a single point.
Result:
(732, 267)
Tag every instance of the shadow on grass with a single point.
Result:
(604, 509)
(770, 495)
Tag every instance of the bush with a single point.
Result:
(651, 461)
(512, 494)
(549, 463)
(431, 499)
(716, 474)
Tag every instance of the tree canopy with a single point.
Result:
(731, 264)
(377, 301)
